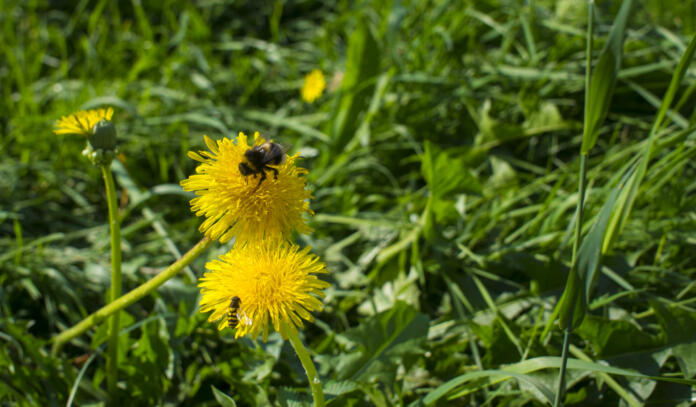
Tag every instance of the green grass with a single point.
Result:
(444, 175)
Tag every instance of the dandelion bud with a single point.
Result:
(103, 136)
(97, 127)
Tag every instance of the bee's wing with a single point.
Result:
(284, 147)
(243, 318)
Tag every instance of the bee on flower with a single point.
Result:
(235, 203)
(264, 284)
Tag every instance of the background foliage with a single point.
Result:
(443, 169)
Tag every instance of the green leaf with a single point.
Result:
(686, 357)
(278, 119)
(521, 370)
(152, 345)
(614, 337)
(362, 67)
(445, 175)
(628, 197)
(501, 375)
(554, 362)
(679, 325)
(604, 78)
(291, 398)
(337, 388)
(102, 334)
(222, 398)
(384, 342)
(106, 101)
(576, 295)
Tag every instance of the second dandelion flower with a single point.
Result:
(263, 285)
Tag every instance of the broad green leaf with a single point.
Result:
(384, 342)
(686, 357)
(222, 398)
(336, 387)
(604, 78)
(445, 175)
(290, 398)
(614, 337)
(679, 326)
(152, 345)
(102, 334)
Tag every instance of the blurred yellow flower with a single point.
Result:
(313, 86)
(238, 206)
(274, 281)
(82, 122)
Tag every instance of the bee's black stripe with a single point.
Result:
(232, 318)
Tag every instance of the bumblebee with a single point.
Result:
(232, 317)
(259, 160)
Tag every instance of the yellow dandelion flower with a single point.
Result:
(82, 122)
(274, 282)
(313, 86)
(238, 206)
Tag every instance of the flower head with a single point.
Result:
(82, 122)
(238, 206)
(313, 86)
(275, 282)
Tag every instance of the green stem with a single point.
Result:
(562, 370)
(582, 183)
(116, 283)
(312, 376)
(131, 297)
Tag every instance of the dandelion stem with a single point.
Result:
(306, 360)
(115, 228)
(131, 297)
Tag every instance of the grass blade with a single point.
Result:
(604, 79)
(361, 69)
(629, 195)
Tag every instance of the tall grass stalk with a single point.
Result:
(582, 184)
(116, 282)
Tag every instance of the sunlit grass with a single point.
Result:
(443, 168)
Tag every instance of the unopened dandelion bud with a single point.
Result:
(103, 136)
(96, 125)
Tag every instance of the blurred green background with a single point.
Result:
(443, 162)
